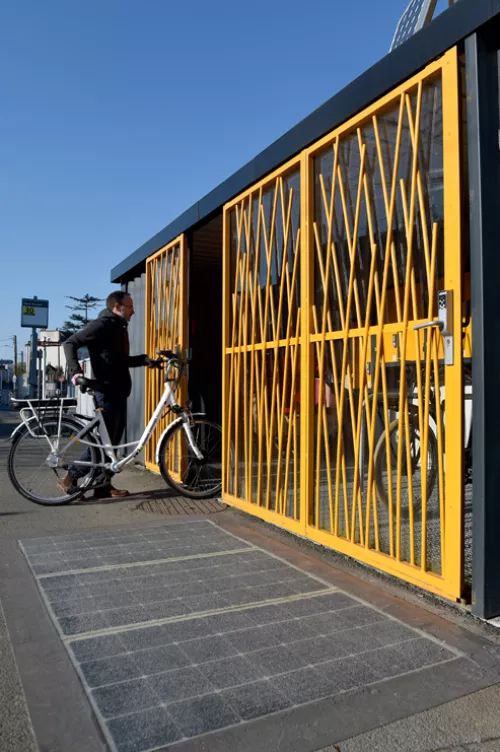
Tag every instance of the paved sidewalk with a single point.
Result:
(470, 724)
(16, 732)
(138, 632)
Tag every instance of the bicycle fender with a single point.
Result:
(18, 429)
(22, 426)
(169, 429)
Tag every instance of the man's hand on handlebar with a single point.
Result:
(155, 363)
(86, 384)
(165, 356)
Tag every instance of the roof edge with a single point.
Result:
(444, 32)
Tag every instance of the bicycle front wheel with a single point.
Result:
(196, 479)
(35, 470)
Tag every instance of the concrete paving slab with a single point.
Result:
(469, 724)
(16, 732)
(223, 660)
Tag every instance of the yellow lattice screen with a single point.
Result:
(263, 361)
(166, 327)
(334, 402)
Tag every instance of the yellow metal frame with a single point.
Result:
(166, 327)
(269, 427)
(359, 369)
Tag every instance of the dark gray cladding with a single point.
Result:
(137, 335)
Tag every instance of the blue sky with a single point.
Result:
(117, 115)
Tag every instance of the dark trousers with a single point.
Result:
(114, 412)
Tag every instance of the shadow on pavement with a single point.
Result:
(134, 496)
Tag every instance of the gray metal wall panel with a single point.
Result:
(137, 335)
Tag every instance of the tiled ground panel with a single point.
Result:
(182, 630)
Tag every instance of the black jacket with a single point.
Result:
(107, 341)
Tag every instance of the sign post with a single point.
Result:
(34, 314)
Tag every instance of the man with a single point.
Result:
(107, 341)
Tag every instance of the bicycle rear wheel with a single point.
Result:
(190, 477)
(31, 463)
(423, 471)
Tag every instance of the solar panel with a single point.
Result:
(417, 14)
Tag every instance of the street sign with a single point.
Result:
(417, 14)
(34, 313)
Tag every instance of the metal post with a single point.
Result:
(44, 368)
(39, 373)
(14, 379)
(484, 211)
(33, 357)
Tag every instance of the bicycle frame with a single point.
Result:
(116, 465)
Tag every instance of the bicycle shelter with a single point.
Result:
(329, 293)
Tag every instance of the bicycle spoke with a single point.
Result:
(34, 474)
(217, 445)
(198, 477)
(212, 475)
(195, 478)
(30, 471)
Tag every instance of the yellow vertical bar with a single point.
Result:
(306, 355)
(226, 259)
(254, 378)
(288, 359)
(247, 229)
(426, 397)
(239, 356)
(232, 305)
(183, 305)
(147, 333)
(276, 349)
(453, 543)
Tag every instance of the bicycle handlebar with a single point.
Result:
(170, 355)
(96, 386)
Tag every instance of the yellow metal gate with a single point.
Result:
(262, 256)
(343, 421)
(166, 327)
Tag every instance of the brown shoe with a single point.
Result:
(111, 493)
(67, 485)
(117, 492)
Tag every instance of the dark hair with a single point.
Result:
(116, 298)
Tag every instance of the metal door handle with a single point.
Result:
(426, 324)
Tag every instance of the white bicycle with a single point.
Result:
(49, 441)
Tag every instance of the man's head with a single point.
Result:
(120, 303)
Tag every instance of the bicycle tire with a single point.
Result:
(380, 463)
(169, 444)
(71, 425)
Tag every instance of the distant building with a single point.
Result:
(51, 359)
